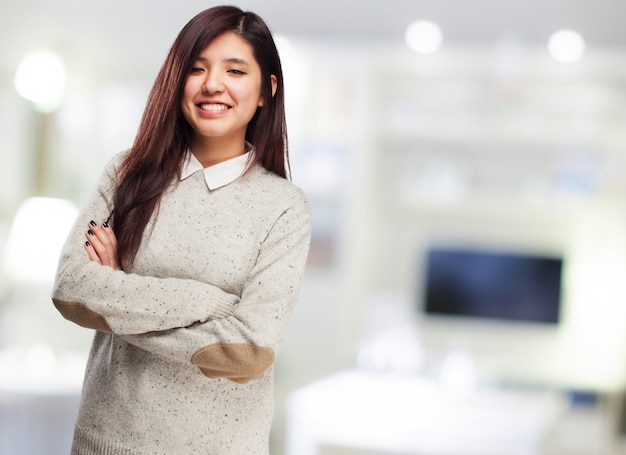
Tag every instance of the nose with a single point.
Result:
(213, 83)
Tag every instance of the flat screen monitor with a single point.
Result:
(508, 286)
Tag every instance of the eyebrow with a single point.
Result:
(235, 60)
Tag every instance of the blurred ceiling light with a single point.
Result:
(566, 46)
(40, 78)
(423, 37)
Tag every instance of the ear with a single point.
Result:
(274, 84)
(274, 87)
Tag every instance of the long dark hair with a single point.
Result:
(163, 138)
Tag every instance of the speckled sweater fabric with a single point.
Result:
(185, 341)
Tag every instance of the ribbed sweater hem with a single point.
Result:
(86, 443)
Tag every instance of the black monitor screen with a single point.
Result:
(485, 284)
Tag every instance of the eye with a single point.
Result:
(196, 69)
(236, 71)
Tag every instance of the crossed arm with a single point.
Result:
(90, 291)
(238, 334)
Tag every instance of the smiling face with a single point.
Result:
(221, 95)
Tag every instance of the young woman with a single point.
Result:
(195, 247)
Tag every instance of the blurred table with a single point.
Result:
(401, 414)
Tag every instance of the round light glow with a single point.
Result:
(40, 78)
(423, 37)
(566, 46)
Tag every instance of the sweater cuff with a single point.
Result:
(225, 305)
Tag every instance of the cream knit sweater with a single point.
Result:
(182, 357)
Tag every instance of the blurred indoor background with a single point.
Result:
(477, 131)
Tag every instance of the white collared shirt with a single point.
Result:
(220, 174)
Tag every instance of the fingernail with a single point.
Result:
(90, 232)
(105, 224)
(92, 222)
(87, 243)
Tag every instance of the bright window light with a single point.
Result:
(566, 46)
(423, 37)
(32, 252)
(40, 78)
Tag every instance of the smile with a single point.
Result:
(213, 107)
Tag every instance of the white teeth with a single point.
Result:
(213, 107)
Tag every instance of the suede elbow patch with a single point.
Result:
(240, 363)
(81, 315)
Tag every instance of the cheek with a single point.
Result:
(253, 95)
(259, 98)
(184, 108)
(187, 99)
(188, 92)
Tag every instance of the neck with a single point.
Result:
(210, 151)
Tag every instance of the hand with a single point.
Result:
(101, 245)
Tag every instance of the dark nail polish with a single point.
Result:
(92, 222)
(105, 224)
(87, 243)
(90, 232)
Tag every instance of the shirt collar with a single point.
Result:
(220, 174)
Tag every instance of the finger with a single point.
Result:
(93, 256)
(110, 234)
(105, 235)
(106, 229)
(93, 244)
(105, 255)
(100, 243)
(104, 243)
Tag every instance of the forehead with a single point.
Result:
(228, 46)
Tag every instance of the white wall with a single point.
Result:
(453, 147)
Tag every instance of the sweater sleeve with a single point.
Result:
(242, 346)
(113, 301)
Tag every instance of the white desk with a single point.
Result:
(415, 415)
